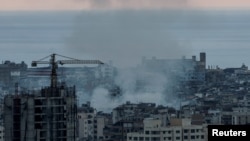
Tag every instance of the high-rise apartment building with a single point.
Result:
(45, 115)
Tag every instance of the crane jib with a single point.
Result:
(79, 62)
(54, 63)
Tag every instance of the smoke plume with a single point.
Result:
(125, 37)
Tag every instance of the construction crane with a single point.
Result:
(54, 64)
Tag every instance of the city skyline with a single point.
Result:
(162, 84)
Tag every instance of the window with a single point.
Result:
(202, 136)
(177, 138)
(89, 121)
(192, 130)
(147, 132)
(155, 139)
(192, 137)
(185, 137)
(155, 132)
(177, 131)
(185, 130)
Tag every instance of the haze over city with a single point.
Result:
(172, 69)
(124, 32)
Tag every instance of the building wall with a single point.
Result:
(86, 125)
(10, 72)
(237, 116)
(169, 133)
(19, 118)
(181, 69)
(49, 114)
(1, 133)
(99, 124)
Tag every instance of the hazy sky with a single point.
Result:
(118, 4)
(108, 34)
(125, 36)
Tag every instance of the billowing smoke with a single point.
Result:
(102, 101)
(125, 37)
(142, 84)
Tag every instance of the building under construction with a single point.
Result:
(48, 114)
(45, 115)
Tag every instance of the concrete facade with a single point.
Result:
(2, 133)
(85, 119)
(10, 73)
(46, 115)
(180, 130)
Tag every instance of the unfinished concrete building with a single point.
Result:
(45, 115)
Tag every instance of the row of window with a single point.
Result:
(166, 138)
(176, 131)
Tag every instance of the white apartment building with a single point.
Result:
(85, 120)
(179, 130)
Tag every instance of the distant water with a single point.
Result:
(223, 35)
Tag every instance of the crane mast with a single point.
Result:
(53, 71)
(54, 65)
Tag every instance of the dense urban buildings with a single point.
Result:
(204, 95)
(183, 69)
(178, 130)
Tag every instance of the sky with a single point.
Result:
(119, 4)
(109, 34)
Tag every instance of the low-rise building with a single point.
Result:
(85, 118)
(100, 121)
(179, 130)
